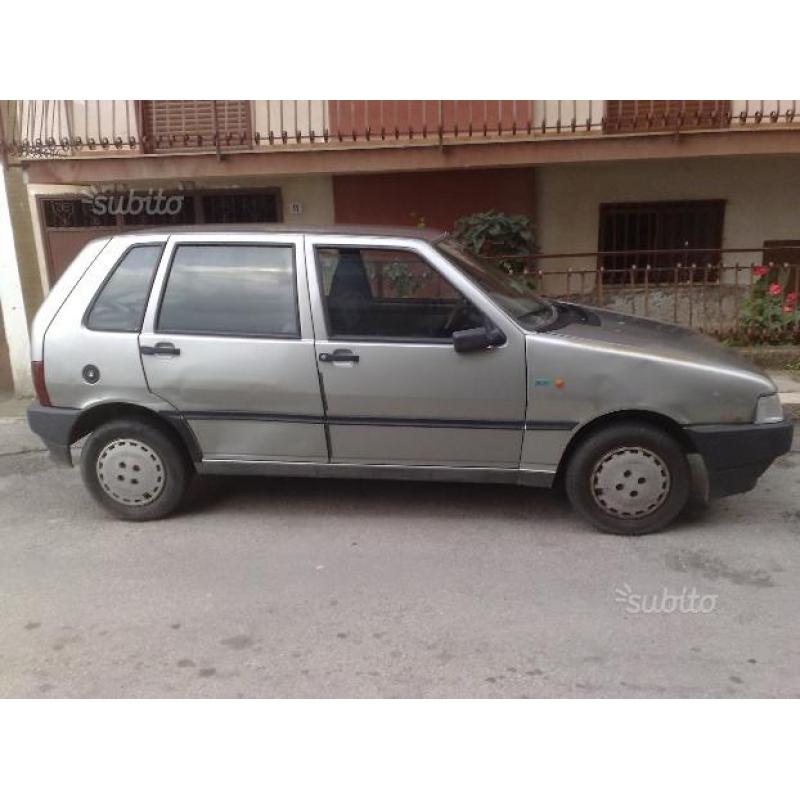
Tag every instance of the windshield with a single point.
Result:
(510, 292)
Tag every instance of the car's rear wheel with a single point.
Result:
(629, 478)
(135, 470)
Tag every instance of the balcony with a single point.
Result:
(79, 129)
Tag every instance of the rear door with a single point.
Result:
(227, 341)
(395, 389)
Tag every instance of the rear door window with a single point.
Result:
(120, 304)
(231, 290)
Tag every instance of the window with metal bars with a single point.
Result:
(782, 251)
(79, 213)
(678, 241)
(234, 207)
(238, 207)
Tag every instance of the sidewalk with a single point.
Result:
(11, 406)
(15, 435)
(788, 384)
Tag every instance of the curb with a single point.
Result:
(770, 356)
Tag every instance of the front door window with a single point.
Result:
(382, 293)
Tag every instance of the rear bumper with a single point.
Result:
(54, 426)
(737, 455)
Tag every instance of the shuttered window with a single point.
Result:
(171, 124)
(658, 115)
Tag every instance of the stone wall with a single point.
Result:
(710, 308)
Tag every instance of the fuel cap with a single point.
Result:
(91, 374)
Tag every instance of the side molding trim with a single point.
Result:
(521, 477)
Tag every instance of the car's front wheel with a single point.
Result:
(135, 470)
(629, 478)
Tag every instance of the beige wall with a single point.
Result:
(762, 194)
(6, 378)
(315, 192)
(14, 253)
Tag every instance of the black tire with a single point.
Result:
(156, 455)
(658, 488)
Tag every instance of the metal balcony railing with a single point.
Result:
(44, 129)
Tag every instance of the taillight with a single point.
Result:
(39, 386)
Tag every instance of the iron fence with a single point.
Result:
(738, 299)
(70, 128)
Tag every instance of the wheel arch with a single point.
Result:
(658, 420)
(173, 425)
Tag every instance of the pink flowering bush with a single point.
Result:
(771, 311)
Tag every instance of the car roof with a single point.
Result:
(427, 234)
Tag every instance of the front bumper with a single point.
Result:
(54, 426)
(737, 455)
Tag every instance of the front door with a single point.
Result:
(227, 342)
(396, 391)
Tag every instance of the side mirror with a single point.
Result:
(474, 339)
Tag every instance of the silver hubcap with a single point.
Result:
(130, 472)
(630, 482)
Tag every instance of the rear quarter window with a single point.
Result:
(120, 303)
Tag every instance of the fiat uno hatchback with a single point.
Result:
(379, 353)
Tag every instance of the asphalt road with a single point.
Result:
(309, 588)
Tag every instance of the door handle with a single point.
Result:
(340, 356)
(160, 349)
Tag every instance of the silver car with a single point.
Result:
(379, 353)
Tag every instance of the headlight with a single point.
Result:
(769, 409)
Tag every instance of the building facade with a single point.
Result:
(609, 184)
